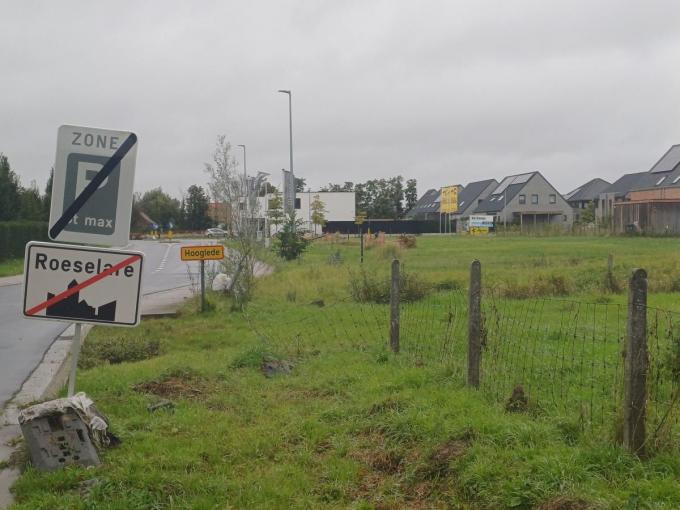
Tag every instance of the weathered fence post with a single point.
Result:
(635, 377)
(610, 262)
(394, 307)
(475, 324)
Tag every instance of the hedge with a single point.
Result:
(15, 234)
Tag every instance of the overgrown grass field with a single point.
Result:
(262, 418)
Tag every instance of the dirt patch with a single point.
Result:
(173, 387)
(446, 452)
(565, 503)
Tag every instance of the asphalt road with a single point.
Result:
(23, 342)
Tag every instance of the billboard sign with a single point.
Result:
(449, 199)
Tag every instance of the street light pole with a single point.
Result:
(290, 126)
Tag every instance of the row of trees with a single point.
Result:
(18, 202)
(381, 198)
(190, 213)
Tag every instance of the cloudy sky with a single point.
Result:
(446, 92)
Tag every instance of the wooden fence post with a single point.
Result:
(394, 307)
(636, 364)
(610, 263)
(475, 324)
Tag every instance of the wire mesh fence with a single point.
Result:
(548, 356)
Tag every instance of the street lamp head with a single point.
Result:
(284, 91)
(241, 145)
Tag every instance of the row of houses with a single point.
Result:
(646, 202)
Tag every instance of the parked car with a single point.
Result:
(216, 232)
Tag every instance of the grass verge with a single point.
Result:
(336, 424)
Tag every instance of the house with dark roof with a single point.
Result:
(586, 195)
(526, 200)
(427, 207)
(653, 203)
(615, 192)
(469, 198)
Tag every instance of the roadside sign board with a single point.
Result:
(210, 252)
(449, 199)
(288, 191)
(481, 221)
(92, 186)
(82, 284)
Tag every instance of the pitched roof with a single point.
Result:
(664, 174)
(589, 191)
(504, 192)
(469, 194)
(428, 203)
(624, 184)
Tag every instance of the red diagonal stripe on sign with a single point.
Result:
(81, 286)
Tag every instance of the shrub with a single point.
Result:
(372, 288)
(406, 241)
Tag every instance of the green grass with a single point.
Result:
(354, 426)
(11, 267)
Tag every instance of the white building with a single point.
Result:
(338, 205)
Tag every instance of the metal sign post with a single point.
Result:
(201, 254)
(202, 285)
(75, 354)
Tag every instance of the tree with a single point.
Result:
(587, 215)
(347, 186)
(30, 203)
(318, 212)
(160, 207)
(290, 243)
(196, 205)
(228, 186)
(411, 194)
(10, 199)
(275, 211)
(300, 183)
(47, 197)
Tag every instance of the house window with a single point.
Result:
(522, 199)
(534, 199)
(298, 205)
(660, 180)
(553, 198)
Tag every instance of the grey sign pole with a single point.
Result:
(202, 285)
(75, 353)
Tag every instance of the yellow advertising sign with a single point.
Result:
(210, 252)
(449, 199)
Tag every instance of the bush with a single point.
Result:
(406, 241)
(371, 288)
(15, 234)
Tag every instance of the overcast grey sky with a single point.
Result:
(446, 92)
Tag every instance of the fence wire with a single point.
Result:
(547, 356)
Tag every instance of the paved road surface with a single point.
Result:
(23, 342)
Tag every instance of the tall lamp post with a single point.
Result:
(290, 126)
